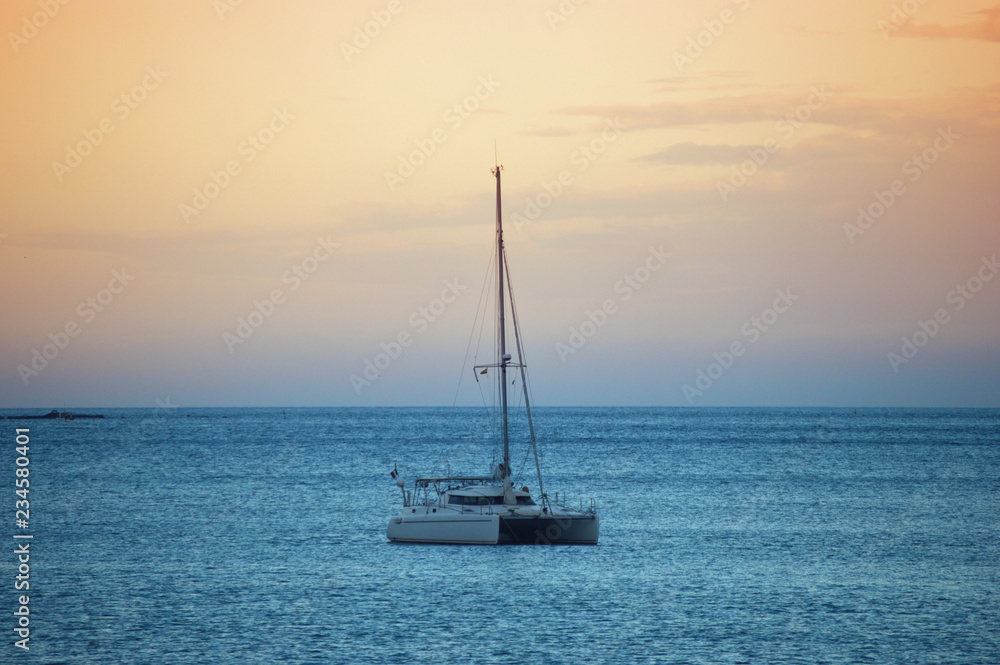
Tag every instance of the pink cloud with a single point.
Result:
(986, 27)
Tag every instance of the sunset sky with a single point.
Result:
(728, 202)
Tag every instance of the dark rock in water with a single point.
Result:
(57, 415)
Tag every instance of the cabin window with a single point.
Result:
(459, 500)
(525, 501)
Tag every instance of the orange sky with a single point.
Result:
(267, 158)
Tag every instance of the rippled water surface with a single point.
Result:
(727, 536)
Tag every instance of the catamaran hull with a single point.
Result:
(494, 529)
(444, 529)
(550, 530)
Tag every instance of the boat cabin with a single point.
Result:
(462, 493)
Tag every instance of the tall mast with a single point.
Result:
(505, 476)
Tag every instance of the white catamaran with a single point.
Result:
(489, 510)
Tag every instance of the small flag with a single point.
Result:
(393, 473)
(484, 370)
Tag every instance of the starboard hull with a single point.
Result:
(550, 530)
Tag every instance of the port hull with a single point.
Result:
(444, 529)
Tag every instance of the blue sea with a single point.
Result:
(727, 536)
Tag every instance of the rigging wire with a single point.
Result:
(524, 376)
(520, 350)
(475, 324)
(479, 323)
